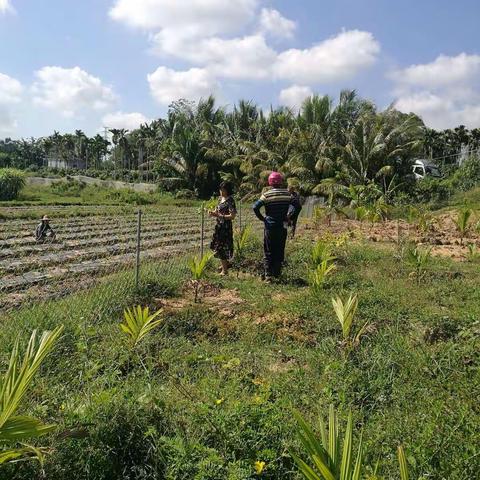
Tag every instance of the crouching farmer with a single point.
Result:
(44, 230)
(279, 208)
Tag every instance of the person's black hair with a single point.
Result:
(228, 187)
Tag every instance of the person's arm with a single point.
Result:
(293, 208)
(232, 213)
(256, 209)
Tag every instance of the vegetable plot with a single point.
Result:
(89, 247)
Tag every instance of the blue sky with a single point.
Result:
(66, 64)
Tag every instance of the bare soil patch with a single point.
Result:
(441, 233)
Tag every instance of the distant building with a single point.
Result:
(55, 162)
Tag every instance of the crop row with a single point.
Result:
(89, 251)
(96, 231)
(100, 236)
(76, 219)
(95, 266)
(20, 232)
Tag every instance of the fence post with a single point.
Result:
(202, 231)
(137, 261)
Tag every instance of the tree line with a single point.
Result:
(326, 145)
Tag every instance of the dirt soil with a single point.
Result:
(441, 235)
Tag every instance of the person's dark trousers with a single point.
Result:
(294, 224)
(274, 247)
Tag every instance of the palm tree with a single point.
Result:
(80, 148)
(122, 147)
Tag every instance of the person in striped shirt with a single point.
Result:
(279, 206)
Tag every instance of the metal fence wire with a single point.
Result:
(91, 250)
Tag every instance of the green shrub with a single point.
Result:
(431, 190)
(468, 175)
(185, 195)
(131, 197)
(69, 188)
(11, 182)
(170, 184)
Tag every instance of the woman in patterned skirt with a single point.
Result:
(225, 212)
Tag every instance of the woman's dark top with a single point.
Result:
(222, 241)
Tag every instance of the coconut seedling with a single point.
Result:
(378, 210)
(402, 461)
(473, 253)
(241, 240)
(418, 258)
(322, 251)
(361, 213)
(14, 385)
(463, 222)
(138, 322)
(325, 459)
(425, 222)
(318, 275)
(198, 268)
(345, 312)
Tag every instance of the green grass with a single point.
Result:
(211, 391)
(80, 194)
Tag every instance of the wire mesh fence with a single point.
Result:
(128, 249)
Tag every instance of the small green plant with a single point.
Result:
(14, 385)
(361, 213)
(325, 460)
(198, 268)
(138, 322)
(241, 240)
(378, 211)
(345, 312)
(11, 182)
(208, 205)
(318, 275)
(462, 222)
(418, 258)
(322, 251)
(402, 461)
(319, 215)
(473, 253)
(425, 222)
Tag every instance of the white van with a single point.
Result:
(425, 168)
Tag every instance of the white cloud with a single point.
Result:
(10, 89)
(5, 6)
(7, 121)
(10, 94)
(167, 85)
(442, 72)
(130, 121)
(195, 31)
(336, 58)
(274, 23)
(445, 92)
(294, 96)
(195, 17)
(70, 90)
(248, 57)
